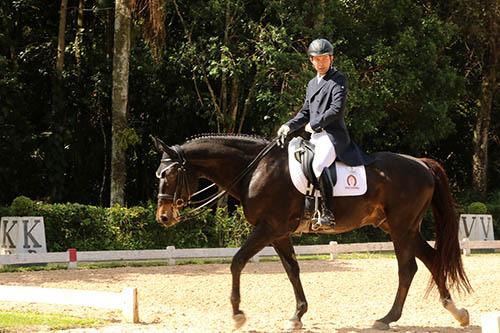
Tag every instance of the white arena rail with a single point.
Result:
(126, 301)
(170, 254)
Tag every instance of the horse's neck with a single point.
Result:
(221, 161)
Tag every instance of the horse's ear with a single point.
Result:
(160, 145)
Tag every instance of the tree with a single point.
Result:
(56, 144)
(231, 58)
(121, 56)
(477, 56)
(122, 135)
(79, 34)
(485, 38)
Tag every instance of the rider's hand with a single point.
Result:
(282, 133)
(309, 128)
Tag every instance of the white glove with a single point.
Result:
(309, 128)
(282, 133)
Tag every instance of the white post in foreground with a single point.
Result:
(333, 253)
(465, 246)
(171, 255)
(126, 301)
(490, 322)
(130, 309)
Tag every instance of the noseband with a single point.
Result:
(181, 185)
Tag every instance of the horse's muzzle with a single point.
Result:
(166, 214)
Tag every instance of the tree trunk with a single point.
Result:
(480, 141)
(56, 141)
(60, 39)
(226, 126)
(79, 34)
(121, 55)
(481, 134)
(235, 98)
(248, 102)
(483, 120)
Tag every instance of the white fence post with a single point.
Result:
(171, 255)
(490, 322)
(465, 245)
(333, 250)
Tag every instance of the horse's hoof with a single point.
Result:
(293, 325)
(239, 320)
(379, 325)
(464, 317)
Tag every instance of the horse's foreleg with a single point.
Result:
(407, 267)
(258, 239)
(284, 248)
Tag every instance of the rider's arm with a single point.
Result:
(301, 118)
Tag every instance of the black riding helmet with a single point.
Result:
(319, 47)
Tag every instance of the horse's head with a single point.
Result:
(176, 185)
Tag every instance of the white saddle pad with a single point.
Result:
(351, 181)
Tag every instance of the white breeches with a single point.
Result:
(324, 152)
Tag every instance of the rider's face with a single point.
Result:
(321, 63)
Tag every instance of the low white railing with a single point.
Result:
(170, 254)
(126, 301)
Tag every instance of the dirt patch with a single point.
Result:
(343, 295)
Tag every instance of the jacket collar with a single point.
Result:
(317, 87)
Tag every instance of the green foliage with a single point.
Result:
(128, 137)
(414, 72)
(477, 208)
(493, 206)
(90, 228)
(231, 230)
(21, 206)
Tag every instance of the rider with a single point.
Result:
(323, 116)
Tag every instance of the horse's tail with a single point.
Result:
(447, 267)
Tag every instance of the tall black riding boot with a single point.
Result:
(326, 218)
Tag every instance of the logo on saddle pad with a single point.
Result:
(351, 181)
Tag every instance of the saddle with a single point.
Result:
(304, 154)
(347, 180)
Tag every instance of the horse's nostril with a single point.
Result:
(164, 218)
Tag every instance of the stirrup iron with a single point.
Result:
(317, 218)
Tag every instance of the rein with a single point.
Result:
(182, 179)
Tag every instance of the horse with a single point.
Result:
(255, 171)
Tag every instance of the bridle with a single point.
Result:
(182, 182)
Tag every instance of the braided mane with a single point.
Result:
(222, 136)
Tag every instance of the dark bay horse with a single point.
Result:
(400, 189)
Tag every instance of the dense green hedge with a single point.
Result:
(90, 228)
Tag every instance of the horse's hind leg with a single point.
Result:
(407, 267)
(258, 239)
(284, 248)
(427, 254)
